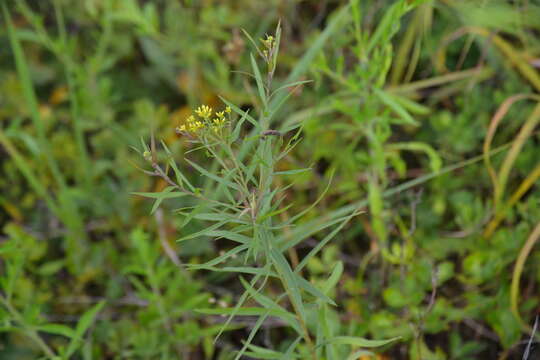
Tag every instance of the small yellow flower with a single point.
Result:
(204, 111)
(220, 114)
(228, 109)
(194, 125)
(190, 119)
(182, 128)
(268, 42)
(147, 155)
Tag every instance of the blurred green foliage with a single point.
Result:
(399, 117)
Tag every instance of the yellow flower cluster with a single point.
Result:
(204, 113)
(268, 43)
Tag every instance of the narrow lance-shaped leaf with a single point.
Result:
(221, 258)
(361, 342)
(167, 193)
(289, 281)
(271, 304)
(396, 107)
(214, 177)
(84, 323)
(259, 80)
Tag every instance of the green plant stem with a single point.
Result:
(28, 331)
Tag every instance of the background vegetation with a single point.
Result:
(423, 114)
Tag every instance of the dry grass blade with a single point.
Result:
(518, 270)
(412, 89)
(494, 123)
(516, 196)
(510, 52)
(407, 56)
(524, 133)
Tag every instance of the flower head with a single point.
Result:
(196, 125)
(268, 42)
(219, 121)
(204, 121)
(181, 128)
(204, 111)
(147, 155)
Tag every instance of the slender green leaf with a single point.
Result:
(221, 180)
(259, 80)
(361, 342)
(83, 325)
(57, 329)
(389, 101)
(289, 280)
